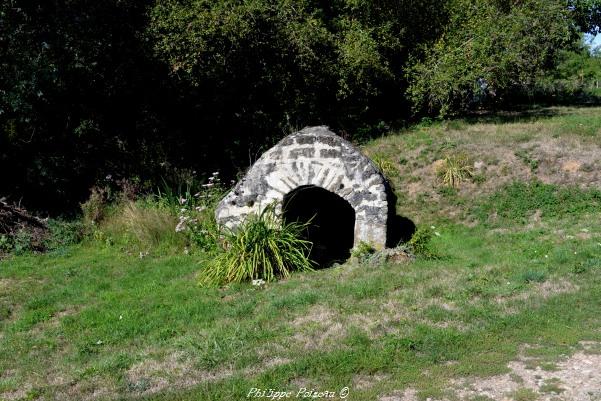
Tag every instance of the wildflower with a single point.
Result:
(197, 194)
(181, 226)
(108, 177)
(200, 208)
(120, 317)
(182, 210)
(258, 282)
(186, 251)
(208, 185)
(182, 201)
(215, 173)
(437, 233)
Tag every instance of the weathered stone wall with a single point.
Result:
(313, 156)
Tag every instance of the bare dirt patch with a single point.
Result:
(576, 378)
(407, 395)
(573, 378)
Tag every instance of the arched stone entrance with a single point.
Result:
(314, 157)
(330, 219)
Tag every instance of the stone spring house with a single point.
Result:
(316, 175)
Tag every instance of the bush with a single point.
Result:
(263, 247)
(63, 233)
(420, 245)
(363, 251)
(94, 209)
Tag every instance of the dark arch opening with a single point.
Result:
(331, 220)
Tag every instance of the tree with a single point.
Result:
(489, 49)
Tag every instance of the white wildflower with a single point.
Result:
(200, 208)
(215, 173)
(181, 226)
(182, 201)
(258, 282)
(208, 185)
(437, 233)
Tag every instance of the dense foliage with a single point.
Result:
(154, 88)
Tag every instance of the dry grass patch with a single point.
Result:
(364, 381)
(176, 370)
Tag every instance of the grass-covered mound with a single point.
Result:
(516, 274)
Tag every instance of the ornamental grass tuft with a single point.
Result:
(262, 247)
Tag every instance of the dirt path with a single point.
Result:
(574, 378)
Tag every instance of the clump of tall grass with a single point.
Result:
(179, 218)
(262, 247)
(148, 224)
(454, 169)
(143, 224)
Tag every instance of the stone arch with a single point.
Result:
(317, 157)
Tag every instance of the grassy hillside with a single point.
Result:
(517, 277)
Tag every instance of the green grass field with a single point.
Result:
(519, 264)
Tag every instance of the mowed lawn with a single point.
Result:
(519, 265)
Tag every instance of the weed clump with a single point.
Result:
(362, 251)
(420, 243)
(454, 169)
(263, 247)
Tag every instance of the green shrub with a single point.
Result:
(263, 247)
(95, 208)
(22, 242)
(363, 251)
(420, 243)
(63, 233)
(5, 243)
